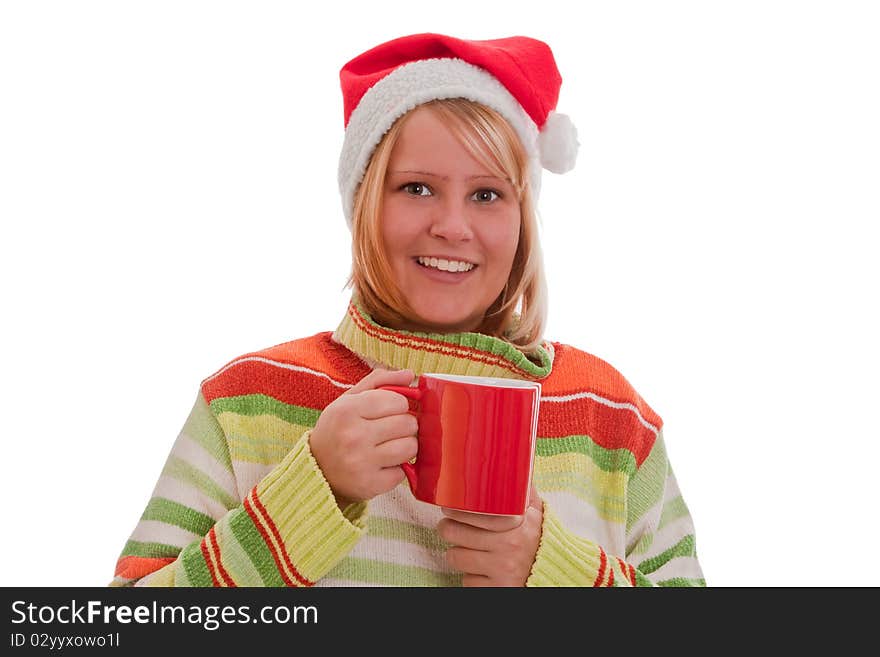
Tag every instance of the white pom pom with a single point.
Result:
(558, 143)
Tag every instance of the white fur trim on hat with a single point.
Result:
(411, 85)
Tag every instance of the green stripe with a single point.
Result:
(674, 508)
(139, 549)
(179, 469)
(248, 536)
(252, 405)
(684, 548)
(646, 486)
(202, 427)
(682, 581)
(609, 460)
(174, 513)
(194, 564)
(383, 572)
(397, 530)
(641, 580)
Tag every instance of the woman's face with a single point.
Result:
(450, 227)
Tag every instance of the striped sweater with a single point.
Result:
(242, 502)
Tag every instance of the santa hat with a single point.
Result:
(516, 76)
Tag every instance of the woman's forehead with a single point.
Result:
(427, 145)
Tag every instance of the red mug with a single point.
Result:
(476, 442)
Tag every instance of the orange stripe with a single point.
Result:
(305, 352)
(319, 352)
(215, 550)
(572, 367)
(602, 564)
(277, 535)
(258, 523)
(137, 567)
(207, 556)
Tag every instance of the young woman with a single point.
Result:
(287, 471)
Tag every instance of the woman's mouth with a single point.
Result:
(443, 270)
(442, 264)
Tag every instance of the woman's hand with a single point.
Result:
(363, 436)
(493, 550)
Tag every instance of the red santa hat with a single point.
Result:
(516, 76)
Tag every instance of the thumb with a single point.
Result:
(382, 377)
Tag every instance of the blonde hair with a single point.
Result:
(518, 315)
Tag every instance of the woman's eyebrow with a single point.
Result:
(435, 175)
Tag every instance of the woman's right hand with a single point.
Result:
(363, 436)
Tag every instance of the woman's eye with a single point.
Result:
(486, 195)
(417, 189)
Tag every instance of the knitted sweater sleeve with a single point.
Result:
(660, 545)
(199, 530)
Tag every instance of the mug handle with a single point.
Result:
(406, 391)
(415, 394)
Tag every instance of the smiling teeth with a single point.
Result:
(446, 265)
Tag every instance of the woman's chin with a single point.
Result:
(439, 322)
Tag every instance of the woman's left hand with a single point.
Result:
(493, 550)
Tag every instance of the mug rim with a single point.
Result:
(485, 381)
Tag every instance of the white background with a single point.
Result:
(168, 201)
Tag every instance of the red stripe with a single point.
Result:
(602, 564)
(227, 580)
(632, 575)
(268, 541)
(249, 377)
(277, 536)
(317, 352)
(624, 567)
(610, 578)
(611, 428)
(254, 499)
(208, 561)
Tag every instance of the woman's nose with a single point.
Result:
(451, 222)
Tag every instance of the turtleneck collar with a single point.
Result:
(471, 354)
